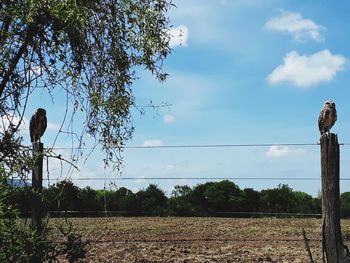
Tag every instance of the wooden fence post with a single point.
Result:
(37, 186)
(334, 251)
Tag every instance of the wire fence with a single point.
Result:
(203, 214)
(194, 146)
(192, 240)
(106, 236)
(191, 146)
(191, 178)
(201, 146)
(214, 178)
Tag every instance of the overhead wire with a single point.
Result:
(201, 146)
(200, 178)
(195, 178)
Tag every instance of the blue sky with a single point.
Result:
(241, 72)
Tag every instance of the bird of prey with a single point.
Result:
(328, 116)
(37, 125)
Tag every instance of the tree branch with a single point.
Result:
(30, 33)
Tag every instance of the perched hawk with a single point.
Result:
(37, 125)
(327, 118)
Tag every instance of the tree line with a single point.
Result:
(206, 199)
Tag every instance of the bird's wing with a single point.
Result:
(44, 125)
(321, 120)
(32, 127)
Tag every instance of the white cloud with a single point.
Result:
(53, 126)
(153, 143)
(277, 151)
(307, 70)
(178, 36)
(168, 118)
(5, 121)
(300, 28)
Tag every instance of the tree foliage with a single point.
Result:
(19, 242)
(345, 204)
(279, 199)
(152, 199)
(223, 196)
(212, 198)
(62, 196)
(90, 49)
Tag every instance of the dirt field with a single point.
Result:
(145, 240)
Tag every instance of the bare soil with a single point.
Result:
(169, 239)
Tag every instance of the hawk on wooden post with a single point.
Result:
(327, 118)
(37, 125)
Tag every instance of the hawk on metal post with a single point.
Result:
(37, 125)
(327, 118)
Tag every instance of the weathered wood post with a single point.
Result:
(334, 251)
(37, 186)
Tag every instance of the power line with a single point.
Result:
(197, 146)
(220, 145)
(193, 178)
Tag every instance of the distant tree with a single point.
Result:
(130, 203)
(223, 196)
(198, 198)
(318, 202)
(63, 196)
(106, 200)
(181, 190)
(152, 200)
(88, 199)
(203, 199)
(179, 204)
(250, 200)
(345, 204)
(278, 200)
(116, 200)
(127, 200)
(122, 191)
(305, 203)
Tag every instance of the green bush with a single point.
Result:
(19, 241)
